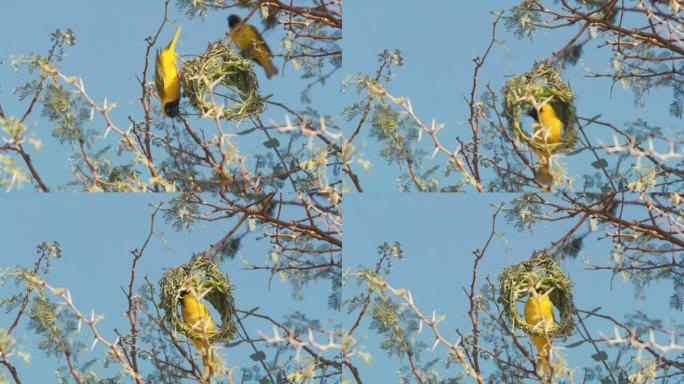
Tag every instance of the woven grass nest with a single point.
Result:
(542, 272)
(236, 89)
(202, 274)
(542, 84)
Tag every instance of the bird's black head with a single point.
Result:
(172, 110)
(533, 114)
(233, 20)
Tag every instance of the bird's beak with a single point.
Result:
(532, 112)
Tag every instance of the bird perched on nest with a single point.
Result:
(548, 129)
(539, 314)
(166, 77)
(197, 317)
(251, 44)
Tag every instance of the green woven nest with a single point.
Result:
(542, 83)
(542, 272)
(203, 275)
(237, 86)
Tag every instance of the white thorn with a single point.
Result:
(109, 128)
(435, 344)
(434, 153)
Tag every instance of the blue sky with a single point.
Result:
(439, 233)
(438, 40)
(97, 233)
(109, 53)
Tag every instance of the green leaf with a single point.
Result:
(600, 356)
(273, 143)
(600, 163)
(246, 131)
(575, 345)
(280, 172)
(260, 355)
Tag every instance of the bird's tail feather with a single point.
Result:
(211, 361)
(205, 350)
(269, 68)
(545, 364)
(544, 175)
(206, 365)
(172, 43)
(543, 347)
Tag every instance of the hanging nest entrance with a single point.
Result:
(542, 273)
(203, 275)
(235, 86)
(533, 89)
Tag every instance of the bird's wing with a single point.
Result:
(204, 311)
(207, 320)
(159, 75)
(260, 40)
(547, 311)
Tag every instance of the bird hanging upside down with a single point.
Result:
(197, 317)
(539, 314)
(548, 130)
(251, 44)
(166, 77)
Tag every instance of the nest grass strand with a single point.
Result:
(203, 274)
(543, 84)
(542, 272)
(231, 78)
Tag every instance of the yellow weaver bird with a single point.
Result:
(197, 317)
(166, 77)
(251, 44)
(539, 314)
(548, 130)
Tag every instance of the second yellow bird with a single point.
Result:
(548, 132)
(197, 317)
(539, 314)
(166, 77)
(251, 44)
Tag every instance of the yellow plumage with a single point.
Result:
(251, 44)
(166, 77)
(197, 317)
(548, 132)
(539, 314)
